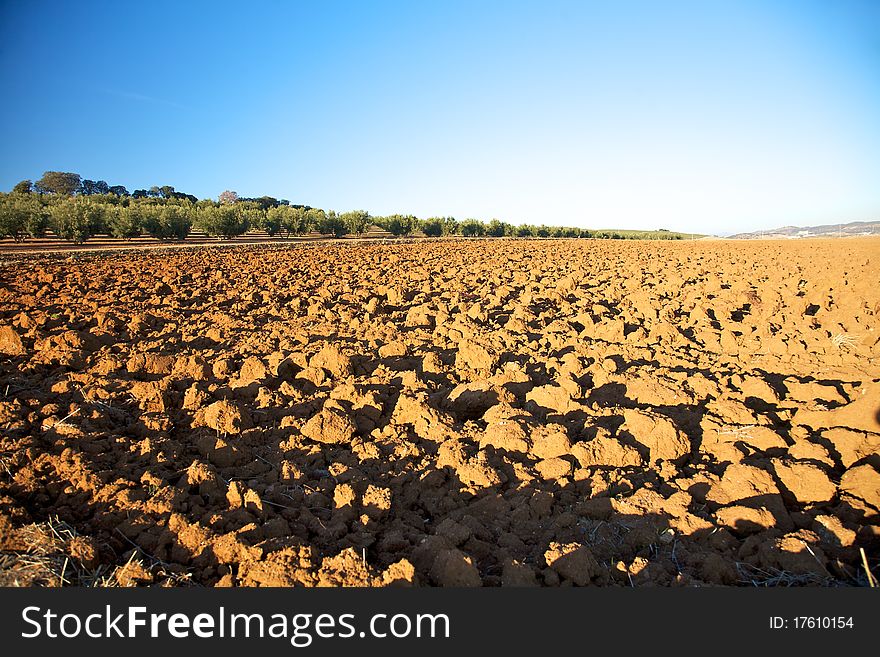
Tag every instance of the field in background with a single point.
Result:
(646, 234)
(51, 242)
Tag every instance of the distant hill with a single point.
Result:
(852, 229)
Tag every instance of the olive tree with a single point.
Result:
(331, 224)
(356, 222)
(73, 219)
(224, 221)
(472, 228)
(497, 228)
(289, 219)
(273, 221)
(22, 215)
(399, 224)
(432, 227)
(314, 218)
(450, 226)
(176, 221)
(125, 222)
(251, 214)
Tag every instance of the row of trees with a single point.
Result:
(76, 209)
(65, 183)
(76, 218)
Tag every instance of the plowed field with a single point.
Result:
(465, 413)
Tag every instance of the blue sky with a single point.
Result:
(701, 116)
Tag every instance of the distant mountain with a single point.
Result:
(851, 229)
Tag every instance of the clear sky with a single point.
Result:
(704, 116)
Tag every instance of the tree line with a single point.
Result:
(76, 209)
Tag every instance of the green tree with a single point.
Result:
(432, 227)
(165, 222)
(252, 214)
(356, 222)
(294, 220)
(99, 213)
(124, 222)
(450, 226)
(37, 219)
(73, 218)
(150, 216)
(176, 222)
(332, 224)
(266, 202)
(525, 230)
(313, 219)
(472, 228)
(274, 220)
(24, 187)
(298, 222)
(399, 224)
(224, 221)
(59, 182)
(92, 188)
(498, 228)
(22, 215)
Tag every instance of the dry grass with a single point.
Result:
(773, 577)
(869, 576)
(738, 432)
(841, 340)
(45, 554)
(752, 575)
(62, 422)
